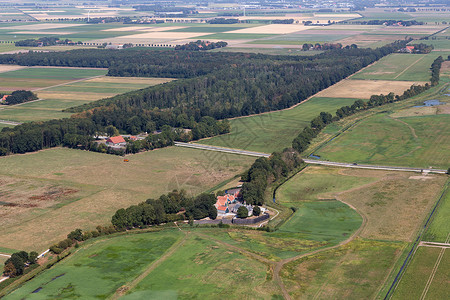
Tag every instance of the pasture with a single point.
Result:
(421, 141)
(274, 131)
(102, 184)
(100, 267)
(401, 67)
(355, 270)
(426, 276)
(363, 89)
(328, 220)
(202, 268)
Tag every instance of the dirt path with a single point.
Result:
(409, 67)
(413, 131)
(279, 265)
(125, 288)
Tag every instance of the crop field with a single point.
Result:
(363, 89)
(421, 141)
(276, 130)
(99, 268)
(402, 67)
(426, 276)
(439, 228)
(69, 93)
(99, 184)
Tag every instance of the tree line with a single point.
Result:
(240, 85)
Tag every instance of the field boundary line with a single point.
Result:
(128, 287)
(433, 272)
(67, 83)
(409, 67)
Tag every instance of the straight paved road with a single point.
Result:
(310, 161)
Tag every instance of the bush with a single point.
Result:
(55, 249)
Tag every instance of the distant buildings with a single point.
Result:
(116, 141)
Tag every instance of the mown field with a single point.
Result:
(92, 186)
(421, 141)
(426, 276)
(274, 131)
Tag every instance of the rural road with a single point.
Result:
(9, 122)
(311, 161)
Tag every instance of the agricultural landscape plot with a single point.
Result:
(333, 233)
(275, 130)
(100, 185)
(426, 276)
(401, 67)
(421, 141)
(334, 273)
(61, 88)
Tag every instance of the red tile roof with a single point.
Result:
(116, 140)
(410, 47)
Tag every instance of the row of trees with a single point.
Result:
(201, 46)
(435, 70)
(19, 96)
(174, 206)
(265, 171)
(16, 264)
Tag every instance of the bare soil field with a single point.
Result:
(363, 89)
(7, 68)
(104, 183)
(365, 40)
(47, 95)
(416, 112)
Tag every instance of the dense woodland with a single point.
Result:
(224, 85)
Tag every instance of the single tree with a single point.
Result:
(242, 212)
(256, 210)
(10, 270)
(32, 257)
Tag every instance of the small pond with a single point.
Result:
(430, 103)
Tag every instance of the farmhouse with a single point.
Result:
(116, 141)
(3, 99)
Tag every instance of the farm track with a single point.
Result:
(433, 272)
(406, 69)
(124, 289)
(66, 83)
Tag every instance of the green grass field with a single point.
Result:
(234, 36)
(330, 221)
(317, 183)
(439, 228)
(407, 67)
(412, 141)
(274, 131)
(203, 269)
(414, 281)
(102, 184)
(353, 271)
(68, 74)
(99, 268)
